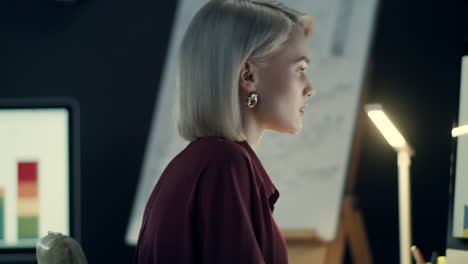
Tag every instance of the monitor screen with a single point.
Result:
(457, 242)
(35, 174)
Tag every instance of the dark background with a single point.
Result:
(108, 54)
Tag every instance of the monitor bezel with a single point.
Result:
(15, 255)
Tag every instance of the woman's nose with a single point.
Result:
(309, 91)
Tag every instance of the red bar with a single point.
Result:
(27, 171)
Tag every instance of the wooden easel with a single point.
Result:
(305, 247)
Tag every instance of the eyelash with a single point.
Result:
(302, 69)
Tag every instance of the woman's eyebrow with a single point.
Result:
(303, 58)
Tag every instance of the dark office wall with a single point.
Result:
(109, 55)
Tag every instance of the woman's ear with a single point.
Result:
(247, 77)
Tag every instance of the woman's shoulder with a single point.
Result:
(219, 148)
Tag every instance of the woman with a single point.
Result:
(241, 70)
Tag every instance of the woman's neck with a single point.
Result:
(253, 131)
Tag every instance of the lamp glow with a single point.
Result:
(458, 131)
(385, 126)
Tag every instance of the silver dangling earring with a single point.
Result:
(252, 100)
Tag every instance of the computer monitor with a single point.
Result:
(39, 174)
(457, 237)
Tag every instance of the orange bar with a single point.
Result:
(28, 207)
(27, 189)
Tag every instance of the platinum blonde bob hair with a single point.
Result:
(222, 35)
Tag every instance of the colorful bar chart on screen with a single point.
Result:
(34, 175)
(2, 213)
(28, 201)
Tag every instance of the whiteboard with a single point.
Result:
(308, 169)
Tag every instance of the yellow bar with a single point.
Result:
(28, 207)
(465, 233)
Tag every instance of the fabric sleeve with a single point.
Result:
(225, 229)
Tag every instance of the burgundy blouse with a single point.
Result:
(212, 204)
